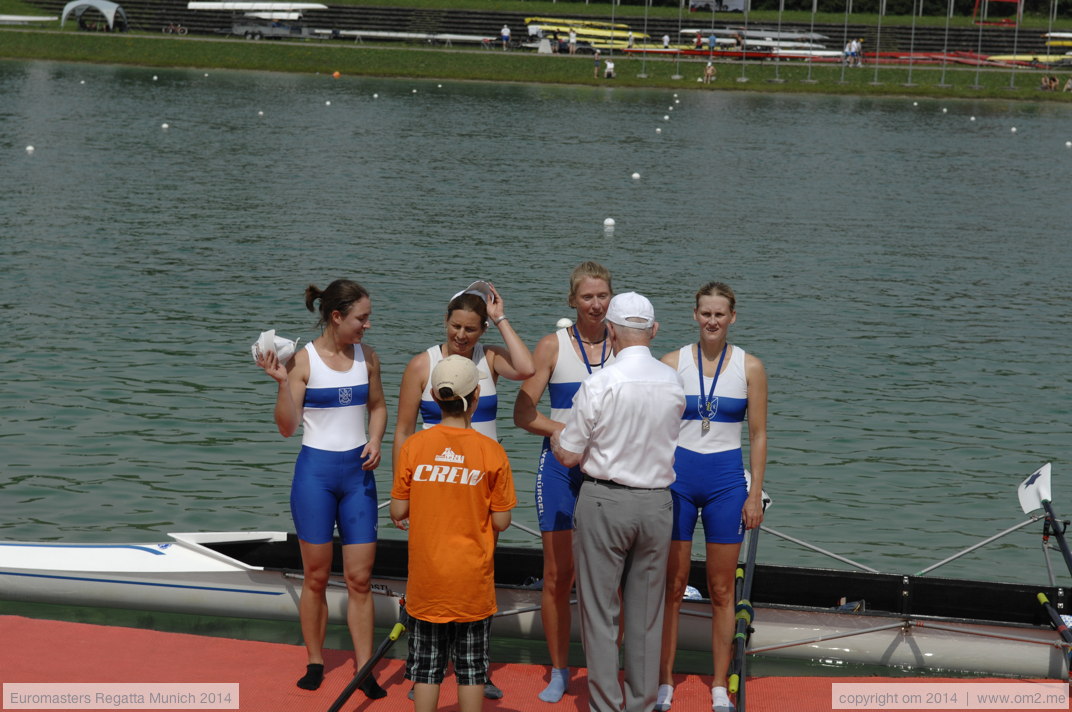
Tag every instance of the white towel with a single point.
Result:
(268, 342)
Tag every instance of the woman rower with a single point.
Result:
(468, 314)
(330, 388)
(723, 385)
(563, 359)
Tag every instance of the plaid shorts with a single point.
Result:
(433, 645)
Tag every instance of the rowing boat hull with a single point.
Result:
(257, 575)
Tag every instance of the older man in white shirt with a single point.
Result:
(622, 431)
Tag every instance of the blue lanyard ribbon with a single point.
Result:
(707, 413)
(584, 354)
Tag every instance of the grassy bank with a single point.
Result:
(325, 57)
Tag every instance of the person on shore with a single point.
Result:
(608, 69)
(724, 385)
(631, 40)
(505, 36)
(452, 522)
(709, 73)
(572, 41)
(622, 431)
(468, 314)
(563, 360)
(330, 388)
(666, 41)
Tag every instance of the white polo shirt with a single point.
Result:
(625, 421)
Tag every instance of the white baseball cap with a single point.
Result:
(632, 310)
(481, 288)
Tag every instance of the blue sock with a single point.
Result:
(557, 687)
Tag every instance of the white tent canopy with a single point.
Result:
(109, 9)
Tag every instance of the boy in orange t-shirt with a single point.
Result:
(453, 490)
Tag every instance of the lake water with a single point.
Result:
(901, 269)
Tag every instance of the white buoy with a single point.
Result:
(439, 86)
(669, 108)
(677, 101)
(260, 113)
(666, 117)
(375, 96)
(1013, 129)
(206, 74)
(82, 82)
(658, 130)
(973, 118)
(636, 176)
(915, 103)
(675, 96)
(327, 103)
(29, 149)
(563, 323)
(414, 91)
(609, 222)
(165, 126)
(154, 77)
(945, 110)
(1068, 144)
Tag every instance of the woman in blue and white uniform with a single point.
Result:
(563, 360)
(724, 386)
(468, 314)
(331, 388)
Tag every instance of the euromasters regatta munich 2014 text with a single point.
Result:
(128, 696)
(124, 699)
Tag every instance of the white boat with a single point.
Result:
(906, 621)
(912, 621)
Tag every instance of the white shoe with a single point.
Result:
(720, 700)
(665, 698)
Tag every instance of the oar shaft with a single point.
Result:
(744, 613)
(366, 669)
(1059, 532)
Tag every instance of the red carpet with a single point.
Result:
(58, 652)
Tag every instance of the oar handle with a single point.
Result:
(1056, 619)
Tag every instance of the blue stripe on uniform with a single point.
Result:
(339, 397)
(562, 394)
(486, 409)
(730, 410)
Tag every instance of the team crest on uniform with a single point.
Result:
(449, 455)
(346, 396)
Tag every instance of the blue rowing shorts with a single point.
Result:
(330, 487)
(712, 486)
(557, 487)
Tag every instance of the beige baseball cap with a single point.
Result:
(457, 373)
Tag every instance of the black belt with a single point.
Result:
(617, 485)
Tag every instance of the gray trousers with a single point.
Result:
(621, 541)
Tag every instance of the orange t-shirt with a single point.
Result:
(454, 478)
